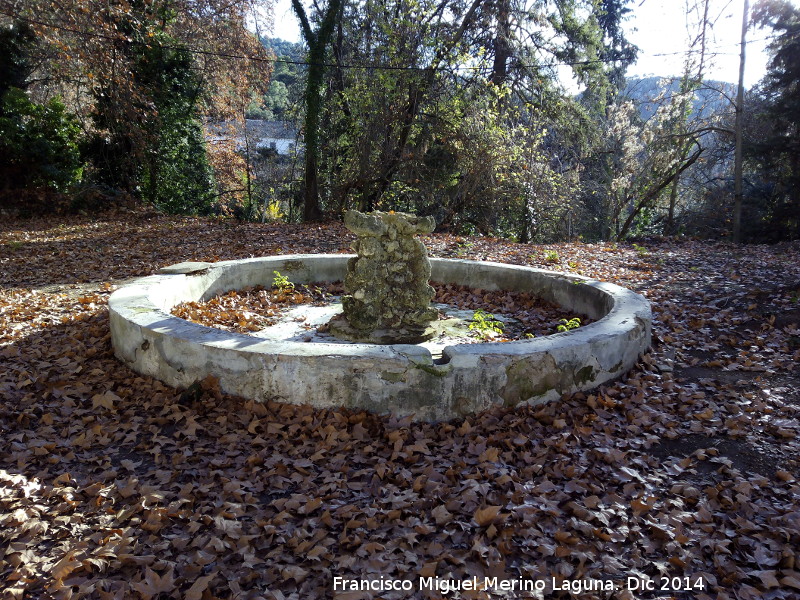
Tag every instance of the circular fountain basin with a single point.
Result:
(405, 379)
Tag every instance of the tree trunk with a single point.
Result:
(688, 84)
(669, 226)
(317, 43)
(737, 160)
(502, 47)
(316, 73)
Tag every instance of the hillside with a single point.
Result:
(649, 92)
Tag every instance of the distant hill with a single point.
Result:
(285, 86)
(290, 50)
(709, 99)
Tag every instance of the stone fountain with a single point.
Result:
(386, 313)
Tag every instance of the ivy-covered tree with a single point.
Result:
(317, 39)
(161, 155)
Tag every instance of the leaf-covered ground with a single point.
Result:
(113, 485)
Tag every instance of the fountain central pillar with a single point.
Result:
(387, 295)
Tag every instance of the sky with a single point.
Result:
(659, 28)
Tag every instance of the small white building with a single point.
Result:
(280, 136)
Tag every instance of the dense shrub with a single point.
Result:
(38, 144)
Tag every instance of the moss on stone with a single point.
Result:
(530, 378)
(393, 377)
(293, 265)
(433, 369)
(585, 374)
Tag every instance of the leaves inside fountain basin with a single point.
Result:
(252, 309)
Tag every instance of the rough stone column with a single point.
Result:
(388, 298)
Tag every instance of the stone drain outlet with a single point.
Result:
(400, 378)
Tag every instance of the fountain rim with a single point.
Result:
(401, 378)
(137, 296)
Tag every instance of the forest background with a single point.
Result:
(453, 109)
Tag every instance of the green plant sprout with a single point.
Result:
(551, 256)
(281, 282)
(569, 325)
(641, 251)
(485, 324)
(464, 247)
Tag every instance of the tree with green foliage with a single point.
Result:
(161, 155)
(38, 142)
(142, 76)
(284, 92)
(17, 42)
(176, 175)
(433, 110)
(777, 154)
(616, 53)
(383, 115)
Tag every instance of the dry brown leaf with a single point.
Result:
(791, 579)
(441, 515)
(153, 584)
(429, 569)
(487, 515)
(312, 505)
(768, 578)
(105, 400)
(65, 566)
(195, 592)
